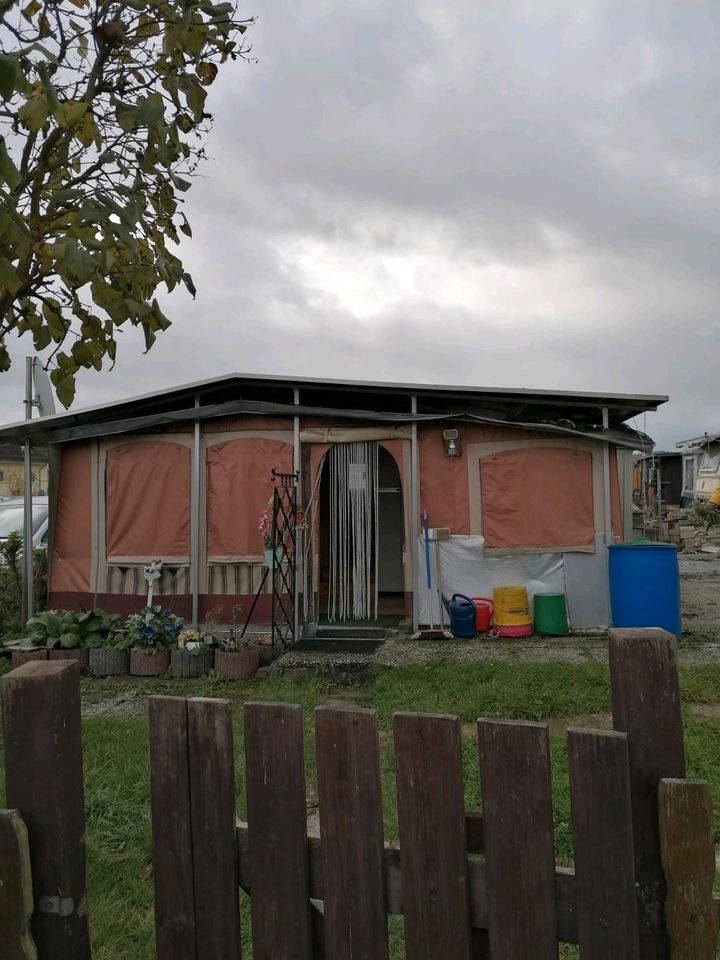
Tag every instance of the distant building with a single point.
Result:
(11, 470)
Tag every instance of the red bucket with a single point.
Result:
(483, 613)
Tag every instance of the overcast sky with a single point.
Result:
(519, 194)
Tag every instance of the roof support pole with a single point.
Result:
(607, 506)
(27, 604)
(299, 551)
(195, 523)
(414, 514)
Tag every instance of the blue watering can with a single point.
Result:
(461, 610)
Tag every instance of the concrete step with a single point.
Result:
(328, 631)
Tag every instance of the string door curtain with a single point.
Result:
(353, 540)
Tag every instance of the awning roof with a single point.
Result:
(566, 412)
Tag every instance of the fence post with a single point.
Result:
(16, 898)
(688, 855)
(44, 782)
(646, 706)
(518, 835)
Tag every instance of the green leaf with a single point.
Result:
(8, 76)
(189, 285)
(196, 97)
(63, 379)
(54, 321)
(180, 183)
(9, 280)
(69, 641)
(54, 625)
(31, 9)
(8, 171)
(41, 338)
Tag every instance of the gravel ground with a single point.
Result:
(700, 590)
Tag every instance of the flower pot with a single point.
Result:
(19, 657)
(144, 663)
(185, 664)
(108, 663)
(82, 656)
(237, 665)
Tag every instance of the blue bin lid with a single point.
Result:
(641, 545)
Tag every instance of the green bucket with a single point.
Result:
(550, 614)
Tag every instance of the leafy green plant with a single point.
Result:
(706, 513)
(70, 630)
(154, 628)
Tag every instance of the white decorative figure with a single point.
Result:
(151, 572)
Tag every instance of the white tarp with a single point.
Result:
(464, 568)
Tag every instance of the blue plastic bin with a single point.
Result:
(645, 586)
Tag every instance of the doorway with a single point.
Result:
(361, 535)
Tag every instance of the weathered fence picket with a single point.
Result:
(16, 895)
(688, 855)
(518, 834)
(469, 884)
(431, 818)
(352, 834)
(603, 845)
(646, 706)
(277, 825)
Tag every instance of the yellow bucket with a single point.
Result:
(512, 608)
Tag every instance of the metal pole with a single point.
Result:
(607, 508)
(27, 605)
(299, 553)
(195, 523)
(414, 515)
(658, 481)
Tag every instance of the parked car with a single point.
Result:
(11, 518)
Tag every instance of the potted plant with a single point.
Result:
(193, 657)
(237, 660)
(150, 634)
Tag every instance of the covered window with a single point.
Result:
(239, 486)
(537, 498)
(710, 462)
(148, 500)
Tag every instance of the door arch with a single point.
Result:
(369, 473)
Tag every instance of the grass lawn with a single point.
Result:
(117, 780)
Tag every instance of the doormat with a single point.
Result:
(348, 645)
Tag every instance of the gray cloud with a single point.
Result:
(504, 194)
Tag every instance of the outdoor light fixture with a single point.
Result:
(452, 447)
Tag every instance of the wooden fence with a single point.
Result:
(467, 885)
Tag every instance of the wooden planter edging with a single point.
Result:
(185, 663)
(19, 657)
(145, 664)
(237, 665)
(81, 655)
(109, 663)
